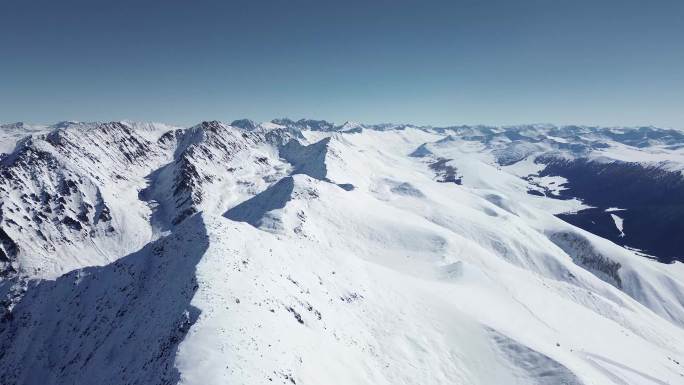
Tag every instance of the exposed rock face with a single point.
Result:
(83, 183)
(52, 187)
(583, 253)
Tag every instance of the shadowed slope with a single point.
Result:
(114, 324)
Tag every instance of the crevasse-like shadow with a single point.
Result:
(115, 324)
(253, 210)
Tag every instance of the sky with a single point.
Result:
(598, 62)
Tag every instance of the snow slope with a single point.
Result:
(308, 253)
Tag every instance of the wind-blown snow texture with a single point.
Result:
(304, 252)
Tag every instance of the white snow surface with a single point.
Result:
(281, 255)
(619, 223)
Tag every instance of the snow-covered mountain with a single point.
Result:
(307, 252)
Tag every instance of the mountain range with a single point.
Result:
(309, 252)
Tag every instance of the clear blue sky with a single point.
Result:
(440, 62)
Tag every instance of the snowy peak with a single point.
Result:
(245, 124)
